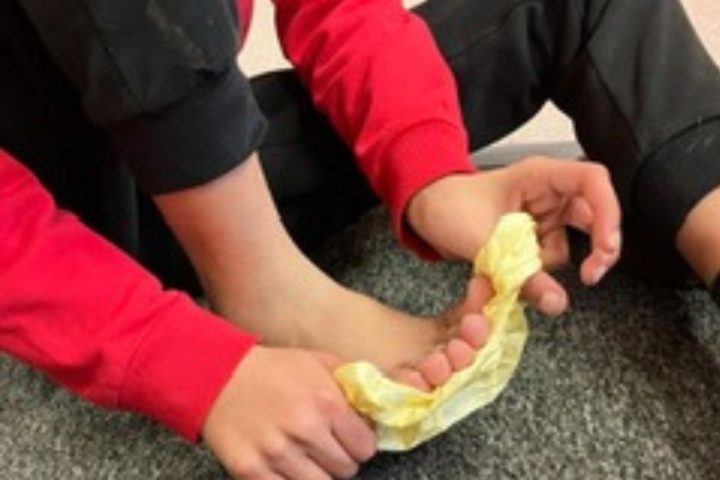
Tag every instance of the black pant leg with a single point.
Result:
(42, 123)
(645, 98)
(632, 75)
(502, 54)
(643, 95)
(315, 181)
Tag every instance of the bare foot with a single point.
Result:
(311, 311)
(462, 332)
(257, 277)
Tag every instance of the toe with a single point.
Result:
(436, 369)
(474, 329)
(460, 354)
(412, 378)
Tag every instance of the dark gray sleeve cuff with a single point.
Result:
(194, 141)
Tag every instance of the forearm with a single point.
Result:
(375, 70)
(227, 227)
(89, 317)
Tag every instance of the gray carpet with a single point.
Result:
(625, 386)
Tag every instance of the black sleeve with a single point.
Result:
(160, 76)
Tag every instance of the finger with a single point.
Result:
(327, 453)
(543, 292)
(554, 250)
(599, 260)
(592, 183)
(262, 476)
(354, 436)
(297, 465)
(578, 214)
(244, 465)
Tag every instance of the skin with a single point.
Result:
(255, 276)
(699, 237)
(263, 426)
(456, 215)
(281, 415)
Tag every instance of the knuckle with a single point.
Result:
(244, 467)
(305, 426)
(330, 402)
(277, 448)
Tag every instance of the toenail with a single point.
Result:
(600, 273)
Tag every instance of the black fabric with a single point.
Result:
(197, 140)
(43, 124)
(634, 79)
(632, 76)
(679, 175)
(715, 291)
(160, 76)
(312, 175)
(128, 58)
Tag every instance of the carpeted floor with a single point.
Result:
(625, 386)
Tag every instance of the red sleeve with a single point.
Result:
(78, 309)
(374, 69)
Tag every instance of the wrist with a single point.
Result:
(425, 204)
(443, 215)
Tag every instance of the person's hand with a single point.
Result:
(456, 214)
(282, 416)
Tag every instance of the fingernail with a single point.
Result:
(600, 273)
(615, 241)
(551, 303)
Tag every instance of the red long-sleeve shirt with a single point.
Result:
(81, 311)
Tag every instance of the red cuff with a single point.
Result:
(417, 158)
(181, 365)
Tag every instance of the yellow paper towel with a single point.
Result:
(405, 417)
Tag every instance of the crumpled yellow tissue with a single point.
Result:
(405, 417)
